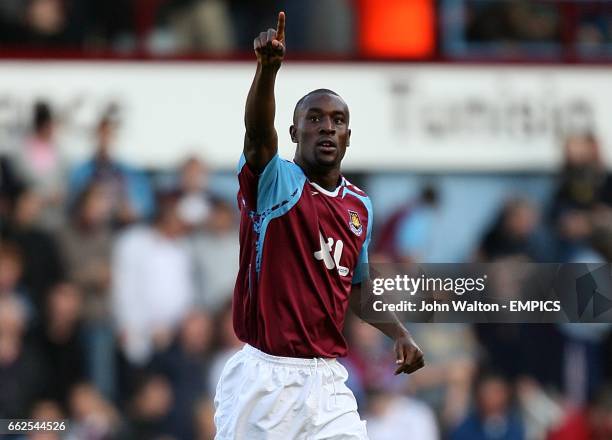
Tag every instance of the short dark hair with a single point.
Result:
(308, 95)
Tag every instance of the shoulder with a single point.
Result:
(350, 190)
(347, 184)
(133, 237)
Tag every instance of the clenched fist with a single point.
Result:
(270, 45)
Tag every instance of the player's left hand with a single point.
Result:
(409, 356)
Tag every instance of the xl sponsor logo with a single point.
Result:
(325, 254)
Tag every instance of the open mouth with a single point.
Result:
(327, 145)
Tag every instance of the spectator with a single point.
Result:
(408, 233)
(313, 33)
(513, 234)
(583, 360)
(583, 182)
(216, 243)
(41, 164)
(369, 361)
(493, 417)
(583, 196)
(45, 19)
(111, 25)
(195, 204)
(452, 356)
(86, 244)
(148, 262)
(510, 23)
(150, 409)
(54, 23)
(42, 265)
(86, 247)
(22, 370)
(185, 364)
(10, 186)
(516, 350)
(46, 411)
(249, 18)
(11, 266)
(59, 338)
(195, 26)
(392, 416)
(91, 416)
(549, 417)
(127, 189)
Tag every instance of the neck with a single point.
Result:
(327, 178)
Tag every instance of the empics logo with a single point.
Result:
(355, 223)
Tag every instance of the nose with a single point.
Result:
(327, 126)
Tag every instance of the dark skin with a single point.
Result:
(321, 131)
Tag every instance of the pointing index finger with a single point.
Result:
(280, 28)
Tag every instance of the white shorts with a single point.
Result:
(260, 396)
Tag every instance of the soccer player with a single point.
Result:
(304, 236)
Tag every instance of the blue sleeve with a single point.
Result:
(279, 182)
(140, 194)
(78, 179)
(412, 233)
(415, 231)
(361, 269)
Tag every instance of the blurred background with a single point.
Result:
(481, 131)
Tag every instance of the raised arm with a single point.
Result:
(261, 139)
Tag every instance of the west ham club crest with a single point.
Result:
(355, 223)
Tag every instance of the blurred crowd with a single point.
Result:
(115, 304)
(516, 381)
(115, 289)
(347, 28)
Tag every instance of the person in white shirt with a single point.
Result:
(215, 252)
(152, 288)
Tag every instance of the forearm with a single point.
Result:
(393, 328)
(261, 106)
(261, 140)
(388, 322)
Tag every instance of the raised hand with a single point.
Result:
(270, 45)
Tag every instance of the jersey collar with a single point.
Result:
(333, 193)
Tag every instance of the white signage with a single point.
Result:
(403, 116)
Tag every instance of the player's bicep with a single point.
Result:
(259, 150)
(361, 268)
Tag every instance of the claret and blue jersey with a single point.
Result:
(301, 250)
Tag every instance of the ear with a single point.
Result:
(293, 134)
(348, 139)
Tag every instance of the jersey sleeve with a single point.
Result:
(361, 271)
(278, 182)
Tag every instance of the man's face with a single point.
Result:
(321, 131)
